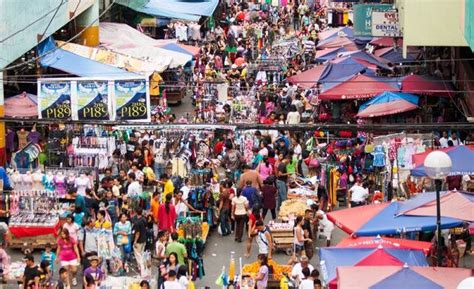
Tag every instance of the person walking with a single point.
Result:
(269, 195)
(68, 254)
(139, 238)
(167, 215)
(239, 214)
(122, 232)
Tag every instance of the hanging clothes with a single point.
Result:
(379, 156)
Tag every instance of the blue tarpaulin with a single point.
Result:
(388, 97)
(176, 48)
(75, 64)
(180, 9)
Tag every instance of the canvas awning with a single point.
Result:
(69, 62)
(138, 45)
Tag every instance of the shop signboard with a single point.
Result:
(54, 99)
(92, 101)
(83, 98)
(363, 17)
(385, 24)
(132, 100)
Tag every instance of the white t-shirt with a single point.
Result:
(298, 271)
(172, 285)
(183, 282)
(443, 142)
(240, 203)
(306, 284)
(185, 189)
(359, 194)
(134, 189)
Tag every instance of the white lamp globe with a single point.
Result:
(438, 165)
(467, 283)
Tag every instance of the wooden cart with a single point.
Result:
(283, 240)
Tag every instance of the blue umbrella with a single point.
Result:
(406, 276)
(460, 156)
(388, 103)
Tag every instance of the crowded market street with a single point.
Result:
(251, 144)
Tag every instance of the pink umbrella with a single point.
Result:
(23, 105)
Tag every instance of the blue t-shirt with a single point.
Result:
(250, 192)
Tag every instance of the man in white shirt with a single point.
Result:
(134, 189)
(325, 226)
(297, 271)
(358, 194)
(443, 141)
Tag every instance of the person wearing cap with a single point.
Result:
(297, 271)
(94, 270)
(31, 273)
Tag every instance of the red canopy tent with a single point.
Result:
(357, 87)
(386, 42)
(309, 78)
(339, 42)
(374, 242)
(420, 84)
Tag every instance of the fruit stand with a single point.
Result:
(250, 271)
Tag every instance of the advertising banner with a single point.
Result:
(363, 17)
(54, 99)
(131, 100)
(385, 24)
(92, 101)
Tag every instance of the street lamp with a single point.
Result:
(438, 166)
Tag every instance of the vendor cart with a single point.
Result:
(283, 237)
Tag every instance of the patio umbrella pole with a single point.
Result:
(438, 184)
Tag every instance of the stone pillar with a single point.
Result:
(90, 37)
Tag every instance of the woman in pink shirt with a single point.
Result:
(68, 254)
(264, 168)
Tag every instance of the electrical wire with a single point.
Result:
(52, 18)
(66, 42)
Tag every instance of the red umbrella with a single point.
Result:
(309, 78)
(374, 242)
(357, 87)
(386, 42)
(421, 84)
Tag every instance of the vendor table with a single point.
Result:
(32, 237)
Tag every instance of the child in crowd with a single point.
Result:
(48, 255)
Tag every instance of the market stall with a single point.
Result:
(250, 271)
